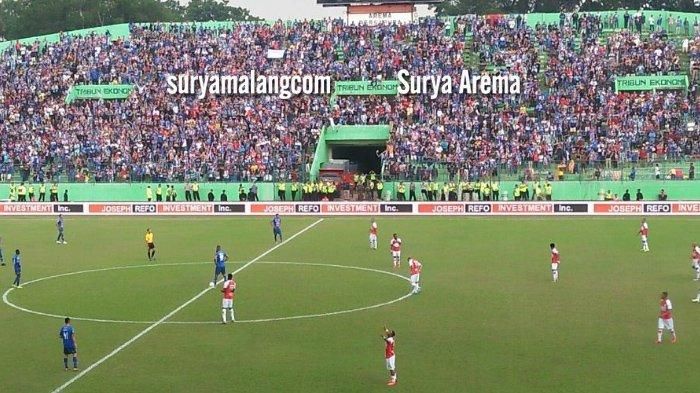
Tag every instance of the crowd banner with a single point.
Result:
(367, 88)
(98, 92)
(650, 82)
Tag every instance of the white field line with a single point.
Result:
(175, 311)
(272, 319)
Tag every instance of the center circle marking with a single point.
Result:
(304, 316)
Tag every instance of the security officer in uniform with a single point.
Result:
(380, 189)
(411, 192)
(21, 193)
(516, 192)
(295, 189)
(241, 192)
(401, 192)
(282, 191)
(195, 191)
(548, 191)
(12, 190)
(485, 191)
(53, 197)
(159, 193)
(30, 192)
(494, 190)
(424, 191)
(42, 193)
(149, 194)
(168, 193)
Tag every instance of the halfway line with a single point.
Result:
(175, 311)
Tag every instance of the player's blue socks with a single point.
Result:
(65, 362)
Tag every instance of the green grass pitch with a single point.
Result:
(489, 318)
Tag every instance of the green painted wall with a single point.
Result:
(589, 190)
(320, 156)
(134, 192)
(566, 190)
(357, 133)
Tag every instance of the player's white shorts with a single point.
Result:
(644, 238)
(391, 363)
(666, 324)
(396, 254)
(227, 303)
(415, 278)
(555, 266)
(372, 237)
(696, 264)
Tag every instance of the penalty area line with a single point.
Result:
(175, 311)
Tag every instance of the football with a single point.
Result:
(211, 285)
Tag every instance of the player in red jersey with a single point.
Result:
(665, 318)
(555, 262)
(415, 268)
(373, 235)
(389, 355)
(227, 302)
(644, 232)
(396, 250)
(695, 257)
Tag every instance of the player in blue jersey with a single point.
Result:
(277, 227)
(17, 263)
(220, 258)
(67, 335)
(59, 226)
(2, 257)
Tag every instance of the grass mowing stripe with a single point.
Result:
(175, 311)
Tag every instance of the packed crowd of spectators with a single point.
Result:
(567, 109)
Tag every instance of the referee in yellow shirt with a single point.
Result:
(149, 244)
